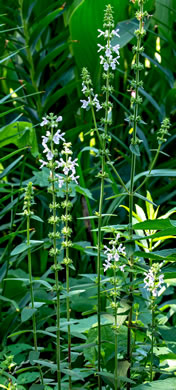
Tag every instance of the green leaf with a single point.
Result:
(23, 247)
(19, 249)
(37, 218)
(155, 173)
(45, 363)
(168, 254)
(12, 154)
(10, 167)
(17, 348)
(84, 191)
(135, 149)
(11, 301)
(40, 178)
(20, 332)
(36, 387)
(149, 207)
(108, 378)
(71, 293)
(42, 25)
(171, 101)
(27, 313)
(21, 134)
(27, 377)
(117, 195)
(144, 198)
(157, 224)
(33, 355)
(127, 29)
(35, 242)
(7, 58)
(71, 373)
(169, 384)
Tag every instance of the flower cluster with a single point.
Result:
(51, 121)
(28, 200)
(163, 131)
(111, 53)
(114, 254)
(68, 165)
(136, 84)
(109, 56)
(88, 92)
(154, 280)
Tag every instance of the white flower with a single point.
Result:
(153, 281)
(66, 171)
(106, 66)
(67, 165)
(133, 94)
(59, 118)
(74, 178)
(100, 47)
(43, 163)
(58, 136)
(46, 149)
(121, 250)
(44, 122)
(115, 33)
(49, 155)
(84, 88)
(113, 65)
(44, 141)
(60, 181)
(116, 256)
(73, 164)
(100, 33)
(85, 103)
(101, 60)
(122, 267)
(108, 52)
(96, 103)
(106, 265)
(155, 292)
(116, 49)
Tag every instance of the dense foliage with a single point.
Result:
(87, 257)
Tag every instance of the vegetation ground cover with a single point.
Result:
(87, 179)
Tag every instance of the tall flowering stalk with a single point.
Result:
(28, 202)
(68, 171)
(49, 141)
(135, 118)
(109, 56)
(115, 260)
(153, 282)
(162, 135)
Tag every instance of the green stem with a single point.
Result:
(131, 194)
(31, 290)
(67, 286)
(99, 271)
(116, 340)
(106, 154)
(152, 344)
(116, 173)
(103, 146)
(56, 273)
